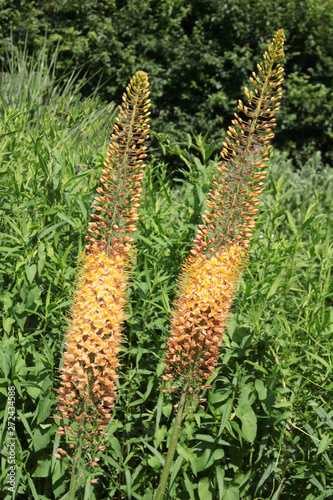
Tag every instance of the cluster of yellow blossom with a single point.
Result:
(90, 361)
(207, 286)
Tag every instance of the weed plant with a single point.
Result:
(266, 430)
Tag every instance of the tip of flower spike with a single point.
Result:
(123, 173)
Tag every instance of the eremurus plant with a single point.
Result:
(210, 275)
(88, 374)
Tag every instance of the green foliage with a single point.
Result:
(198, 55)
(266, 430)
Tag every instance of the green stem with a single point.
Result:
(173, 444)
(76, 461)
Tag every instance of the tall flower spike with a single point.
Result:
(88, 376)
(210, 275)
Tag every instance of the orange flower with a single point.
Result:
(201, 313)
(90, 362)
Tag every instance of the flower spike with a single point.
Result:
(211, 273)
(88, 375)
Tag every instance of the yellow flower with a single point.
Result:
(93, 339)
(196, 328)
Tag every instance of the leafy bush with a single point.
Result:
(198, 55)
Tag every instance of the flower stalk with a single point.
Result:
(210, 275)
(89, 372)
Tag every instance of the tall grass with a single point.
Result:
(266, 430)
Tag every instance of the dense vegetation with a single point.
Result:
(198, 55)
(266, 431)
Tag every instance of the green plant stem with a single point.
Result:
(173, 444)
(76, 461)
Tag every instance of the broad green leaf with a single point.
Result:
(189, 486)
(249, 422)
(7, 358)
(261, 389)
(231, 493)
(44, 408)
(49, 229)
(204, 490)
(220, 480)
(43, 468)
(257, 366)
(42, 437)
(30, 271)
(7, 324)
(59, 484)
(156, 453)
(115, 445)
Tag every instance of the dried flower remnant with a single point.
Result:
(88, 375)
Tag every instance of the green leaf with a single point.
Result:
(189, 486)
(220, 480)
(261, 389)
(43, 468)
(265, 475)
(174, 470)
(7, 324)
(249, 421)
(156, 453)
(44, 409)
(128, 480)
(49, 229)
(324, 443)
(42, 437)
(30, 271)
(32, 487)
(232, 493)
(203, 489)
(7, 357)
(67, 219)
(59, 485)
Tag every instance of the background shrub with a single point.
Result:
(198, 55)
